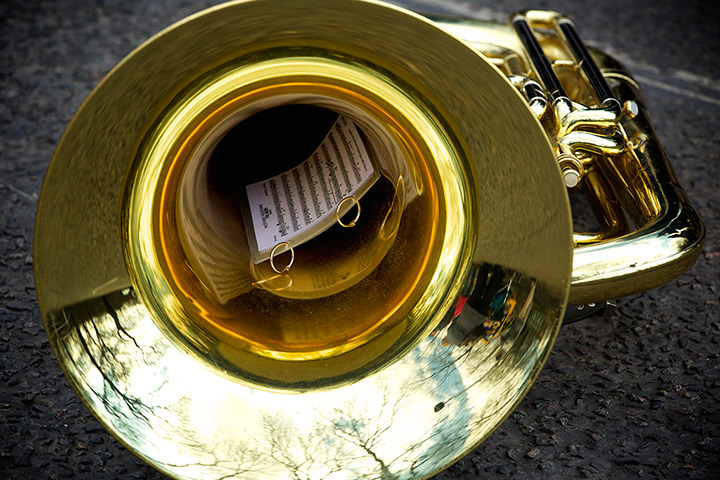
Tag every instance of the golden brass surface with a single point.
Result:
(649, 231)
(385, 350)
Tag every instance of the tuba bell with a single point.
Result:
(334, 240)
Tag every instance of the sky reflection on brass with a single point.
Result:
(402, 422)
(476, 326)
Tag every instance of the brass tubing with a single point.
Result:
(669, 235)
(505, 59)
(193, 393)
(632, 187)
(592, 143)
(533, 93)
(542, 65)
(606, 208)
(599, 86)
(606, 117)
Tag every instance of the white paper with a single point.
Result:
(301, 203)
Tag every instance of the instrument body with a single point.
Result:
(649, 233)
(407, 398)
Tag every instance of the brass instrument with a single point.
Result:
(389, 344)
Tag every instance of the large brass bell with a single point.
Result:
(396, 338)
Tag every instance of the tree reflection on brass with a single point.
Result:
(393, 375)
(195, 424)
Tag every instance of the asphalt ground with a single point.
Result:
(634, 396)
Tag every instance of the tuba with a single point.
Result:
(333, 240)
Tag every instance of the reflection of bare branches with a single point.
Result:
(233, 457)
(449, 432)
(364, 431)
(399, 425)
(118, 325)
(440, 364)
(341, 439)
(305, 455)
(441, 443)
(106, 357)
(101, 357)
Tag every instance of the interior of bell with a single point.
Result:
(347, 295)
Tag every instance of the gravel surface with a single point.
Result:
(635, 396)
